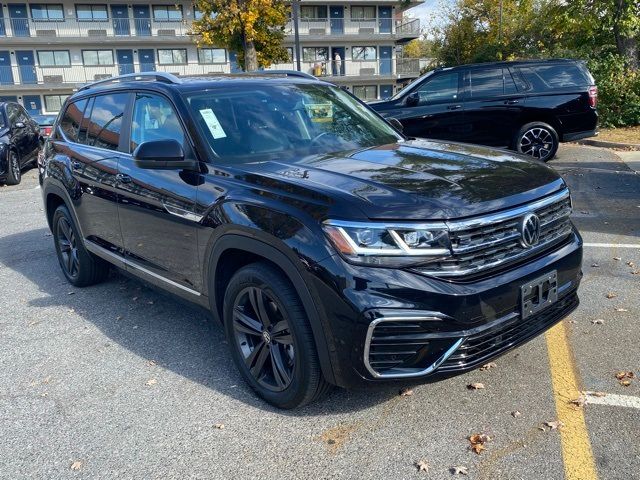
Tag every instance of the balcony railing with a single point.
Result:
(76, 75)
(356, 68)
(352, 26)
(117, 27)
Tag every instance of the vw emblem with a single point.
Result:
(530, 230)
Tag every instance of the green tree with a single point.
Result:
(253, 29)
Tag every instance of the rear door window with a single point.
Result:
(105, 122)
(559, 75)
(70, 121)
(485, 83)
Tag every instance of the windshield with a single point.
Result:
(285, 122)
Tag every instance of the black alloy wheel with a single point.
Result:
(262, 332)
(537, 140)
(67, 241)
(270, 337)
(14, 176)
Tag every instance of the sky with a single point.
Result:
(427, 11)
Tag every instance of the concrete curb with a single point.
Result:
(605, 144)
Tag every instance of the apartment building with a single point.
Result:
(47, 50)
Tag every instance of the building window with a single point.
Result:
(92, 58)
(45, 12)
(92, 13)
(311, 12)
(53, 103)
(315, 54)
(54, 58)
(167, 13)
(289, 54)
(197, 14)
(363, 13)
(364, 53)
(366, 92)
(174, 56)
(212, 55)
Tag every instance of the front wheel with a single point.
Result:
(14, 176)
(538, 140)
(270, 337)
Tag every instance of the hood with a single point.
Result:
(422, 180)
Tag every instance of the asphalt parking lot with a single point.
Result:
(119, 380)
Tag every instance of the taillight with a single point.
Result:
(593, 96)
(46, 131)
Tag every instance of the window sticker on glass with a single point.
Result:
(212, 122)
(320, 112)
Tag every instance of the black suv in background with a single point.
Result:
(527, 106)
(19, 142)
(333, 250)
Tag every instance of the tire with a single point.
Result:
(538, 140)
(281, 365)
(80, 267)
(14, 176)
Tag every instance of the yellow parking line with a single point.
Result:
(576, 447)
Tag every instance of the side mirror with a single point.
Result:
(19, 125)
(395, 123)
(162, 154)
(413, 99)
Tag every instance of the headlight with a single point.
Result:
(388, 244)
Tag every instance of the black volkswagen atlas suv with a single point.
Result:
(332, 249)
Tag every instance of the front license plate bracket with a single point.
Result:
(539, 294)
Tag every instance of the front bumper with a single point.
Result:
(464, 324)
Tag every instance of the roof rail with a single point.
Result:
(135, 77)
(288, 73)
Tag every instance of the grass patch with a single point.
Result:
(622, 135)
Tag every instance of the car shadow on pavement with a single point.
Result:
(153, 324)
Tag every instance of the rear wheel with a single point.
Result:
(270, 337)
(80, 267)
(13, 169)
(538, 140)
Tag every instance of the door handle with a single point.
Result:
(123, 178)
(511, 102)
(454, 107)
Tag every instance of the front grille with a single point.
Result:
(486, 243)
(479, 348)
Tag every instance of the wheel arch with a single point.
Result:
(55, 196)
(232, 252)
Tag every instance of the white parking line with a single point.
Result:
(613, 400)
(612, 245)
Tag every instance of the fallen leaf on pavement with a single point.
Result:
(598, 321)
(611, 295)
(624, 374)
(71, 293)
(477, 441)
(134, 299)
(596, 394)
(459, 470)
(487, 366)
(631, 264)
(152, 363)
(622, 310)
(406, 392)
(422, 466)
(475, 386)
(636, 272)
(554, 425)
(595, 265)
(150, 302)
(219, 426)
(581, 401)
(617, 258)
(152, 381)
(119, 317)
(625, 383)
(77, 465)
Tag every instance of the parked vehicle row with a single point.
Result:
(527, 106)
(20, 141)
(333, 249)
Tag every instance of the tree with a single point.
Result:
(418, 48)
(253, 29)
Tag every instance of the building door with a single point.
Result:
(386, 91)
(147, 60)
(337, 61)
(384, 19)
(142, 19)
(32, 104)
(120, 16)
(233, 61)
(19, 19)
(6, 74)
(336, 12)
(3, 29)
(385, 54)
(125, 61)
(27, 67)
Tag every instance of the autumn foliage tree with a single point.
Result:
(253, 29)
